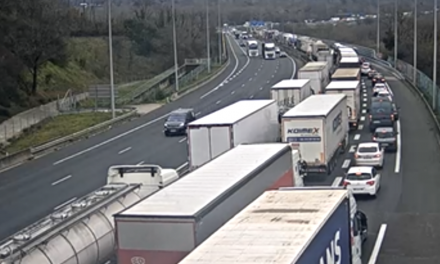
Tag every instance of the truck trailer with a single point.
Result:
(293, 226)
(82, 231)
(318, 127)
(317, 73)
(349, 62)
(352, 90)
(168, 225)
(347, 74)
(247, 121)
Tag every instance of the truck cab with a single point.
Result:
(252, 47)
(269, 51)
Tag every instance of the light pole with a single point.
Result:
(220, 34)
(378, 27)
(396, 34)
(208, 44)
(434, 60)
(415, 45)
(176, 61)
(110, 51)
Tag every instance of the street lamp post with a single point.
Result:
(434, 60)
(415, 45)
(396, 34)
(220, 34)
(176, 60)
(378, 27)
(110, 51)
(208, 44)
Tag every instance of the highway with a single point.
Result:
(34, 189)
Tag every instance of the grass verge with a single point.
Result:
(54, 128)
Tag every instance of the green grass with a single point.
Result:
(56, 127)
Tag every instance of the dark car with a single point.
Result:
(372, 73)
(388, 99)
(177, 122)
(242, 44)
(378, 78)
(386, 137)
(381, 114)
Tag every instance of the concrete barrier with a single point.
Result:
(15, 159)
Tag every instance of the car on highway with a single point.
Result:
(383, 94)
(363, 180)
(283, 54)
(380, 87)
(365, 68)
(277, 50)
(372, 73)
(386, 137)
(388, 99)
(369, 154)
(381, 114)
(378, 78)
(242, 44)
(177, 122)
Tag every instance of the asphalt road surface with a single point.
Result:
(34, 189)
(407, 206)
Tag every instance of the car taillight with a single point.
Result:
(377, 155)
(371, 183)
(374, 138)
(371, 117)
(374, 80)
(345, 183)
(392, 117)
(356, 156)
(383, 80)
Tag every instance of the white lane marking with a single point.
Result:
(352, 149)
(273, 75)
(294, 67)
(346, 164)
(233, 71)
(365, 94)
(357, 136)
(233, 92)
(360, 127)
(365, 99)
(250, 97)
(110, 140)
(65, 203)
(337, 181)
(364, 105)
(243, 85)
(140, 163)
(182, 166)
(124, 150)
(61, 180)
(256, 73)
(399, 151)
(198, 113)
(218, 102)
(362, 118)
(268, 81)
(182, 140)
(261, 88)
(378, 244)
(250, 79)
(364, 111)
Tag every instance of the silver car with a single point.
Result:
(386, 137)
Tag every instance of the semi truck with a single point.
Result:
(352, 90)
(347, 74)
(318, 128)
(289, 93)
(252, 47)
(268, 51)
(168, 225)
(246, 121)
(290, 226)
(317, 73)
(349, 62)
(82, 231)
(322, 52)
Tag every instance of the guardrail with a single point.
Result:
(29, 154)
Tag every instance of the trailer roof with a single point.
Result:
(291, 83)
(314, 66)
(260, 232)
(207, 186)
(350, 60)
(232, 113)
(346, 72)
(315, 105)
(342, 85)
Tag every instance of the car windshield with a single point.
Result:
(367, 150)
(176, 118)
(384, 134)
(358, 176)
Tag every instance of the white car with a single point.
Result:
(363, 180)
(365, 68)
(369, 154)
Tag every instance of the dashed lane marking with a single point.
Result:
(378, 244)
(124, 150)
(346, 164)
(357, 136)
(362, 118)
(352, 149)
(360, 127)
(337, 181)
(182, 140)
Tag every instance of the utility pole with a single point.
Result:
(220, 33)
(434, 60)
(110, 51)
(378, 27)
(176, 60)
(396, 34)
(208, 44)
(415, 45)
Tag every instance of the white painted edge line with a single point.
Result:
(360, 127)
(337, 181)
(346, 164)
(399, 151)
(65, 203)
(182, 166)
(294, 67)
(182, 140)
(61, 180)
(378, 244)
(124, 150)
(357, 136)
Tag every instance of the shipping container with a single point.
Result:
(347, 74)
(352, 90)
(284, 227)
(318, 127)
(168, 225)
(317, 73)
(247, 121)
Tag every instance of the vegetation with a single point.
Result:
(50, 46)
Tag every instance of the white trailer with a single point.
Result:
(247, 121)
(352, 90)
(349, 62)
(347, 74)
(295, 226)
(291, 92)
(318, 73)
(168, 225)
(318, 127)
